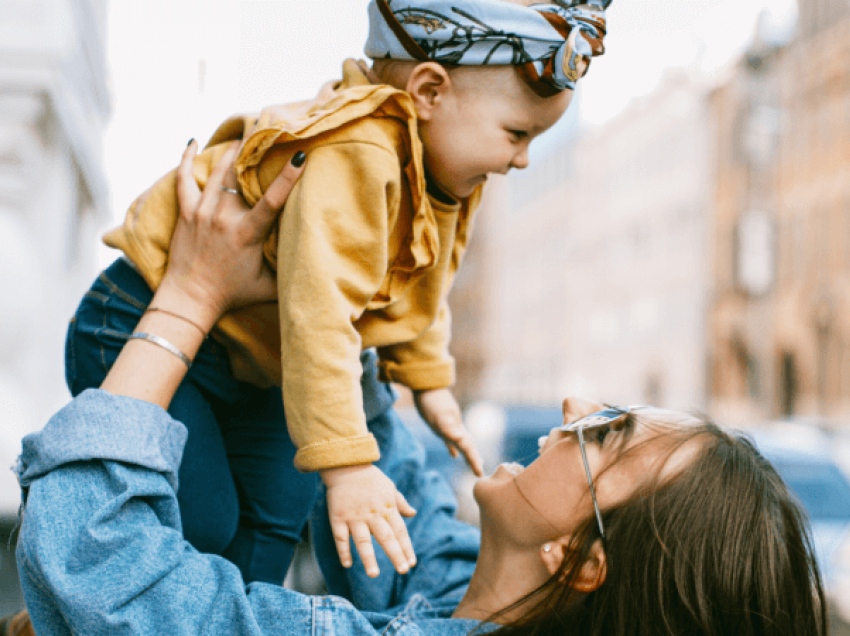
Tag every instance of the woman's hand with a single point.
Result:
(215, 263)
(216, 258)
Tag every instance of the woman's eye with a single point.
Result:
(601, 432)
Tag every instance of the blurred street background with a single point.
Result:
(682, 236)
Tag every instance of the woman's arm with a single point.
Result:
(100, 548)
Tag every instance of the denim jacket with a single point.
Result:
(101, 549)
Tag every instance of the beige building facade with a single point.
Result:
(778, 329)
(590, 275)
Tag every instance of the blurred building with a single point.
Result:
(53, 198)
(779, 334)
(590, 275)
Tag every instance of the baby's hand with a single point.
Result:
(363, 501)
(441, 411)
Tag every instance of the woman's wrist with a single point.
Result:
(186, 301)
(153, 364)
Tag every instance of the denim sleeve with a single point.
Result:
(446, 548)
(100, 548)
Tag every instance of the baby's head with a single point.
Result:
(486, 76)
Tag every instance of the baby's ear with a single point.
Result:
(577, 408)
(428, 85)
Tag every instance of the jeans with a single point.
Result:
(239, 493)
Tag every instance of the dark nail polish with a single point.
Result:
(190, 142)
(298, 158)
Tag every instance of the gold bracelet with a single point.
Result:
(178, 316)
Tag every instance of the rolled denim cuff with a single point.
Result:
(98, 425)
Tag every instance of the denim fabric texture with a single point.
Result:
(239, 493)
(101, 552)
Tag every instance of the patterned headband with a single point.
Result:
(551, 45)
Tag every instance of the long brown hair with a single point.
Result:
(720, 548)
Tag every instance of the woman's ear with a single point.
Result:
(577, 408)
(593, 570)
(428, 85)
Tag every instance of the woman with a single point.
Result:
(695, 533)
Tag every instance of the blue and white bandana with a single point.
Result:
(551, 45)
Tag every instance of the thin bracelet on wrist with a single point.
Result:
(162, 342)
(179, 317)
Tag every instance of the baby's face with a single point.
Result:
(477, 130)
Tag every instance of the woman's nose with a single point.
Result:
(555, 435)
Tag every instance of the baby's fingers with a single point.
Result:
(466, 445)
(363, 542)
(397, 524)
(404, 508)
(343, 549)
(387, 538)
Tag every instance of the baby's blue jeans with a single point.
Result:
(239, 493)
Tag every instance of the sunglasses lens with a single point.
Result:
(600, 418)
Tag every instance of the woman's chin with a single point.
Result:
(492, 483)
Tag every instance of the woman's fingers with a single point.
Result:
(268, 207)
(188, 192)
(212, 191)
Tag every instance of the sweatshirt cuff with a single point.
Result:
(422, 376)
(348, 451)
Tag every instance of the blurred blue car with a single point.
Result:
(524, 425)
(804, 458)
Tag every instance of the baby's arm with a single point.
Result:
(426, 367)
(332, 258)
(440, 410)
(362, 502)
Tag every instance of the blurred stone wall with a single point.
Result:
(53, 195)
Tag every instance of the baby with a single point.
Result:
(365, 252)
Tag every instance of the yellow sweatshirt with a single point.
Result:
(364, 258)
